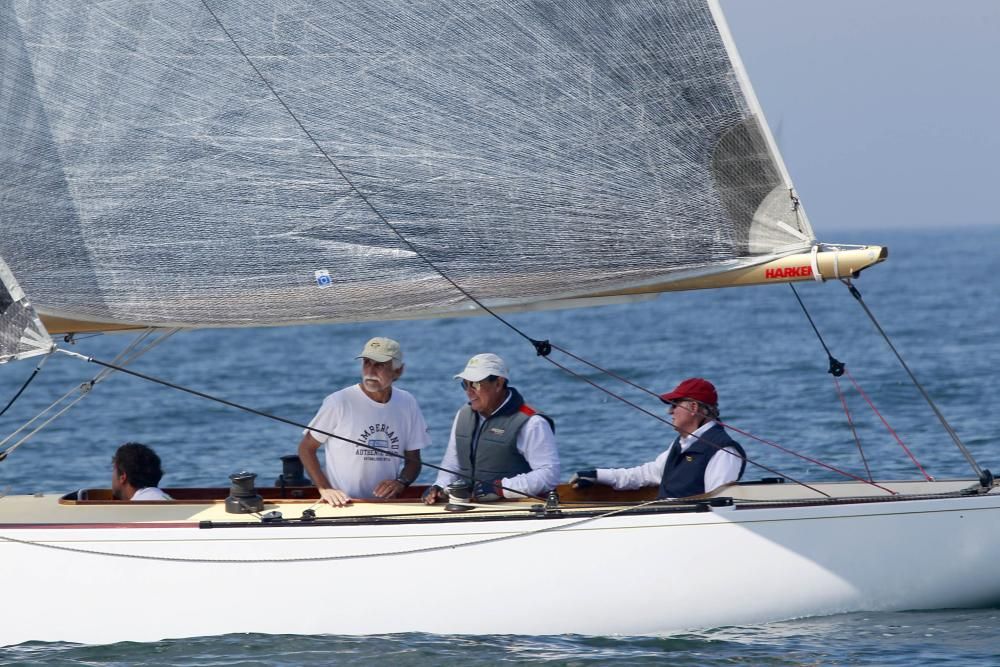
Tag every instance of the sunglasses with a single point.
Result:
(477, 385)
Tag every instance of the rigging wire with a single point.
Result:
(128, 355)
(542, 347)
(854, 431)
(283, 420)
(837, 369)
(26, 383)
(891, 430)
(985, 476)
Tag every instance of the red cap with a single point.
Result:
(696, 389)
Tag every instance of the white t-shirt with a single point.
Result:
(150, 493)
(397, 426)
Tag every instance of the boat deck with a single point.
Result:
(198, 505)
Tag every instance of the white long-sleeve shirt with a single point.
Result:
(722, 469)
(535, 442)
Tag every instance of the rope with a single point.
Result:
(854, 432)
(26, 383)
(312, 559)
(128, 355)
(541, 346)
(893, 432)
(836, 367)
(283, 420)
(681, 431)
(982, 474)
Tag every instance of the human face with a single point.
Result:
(485, 396)
(377, 378)
(687, 416)
(116, 482)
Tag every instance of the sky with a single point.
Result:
(887, 112)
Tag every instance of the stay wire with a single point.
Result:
(836, 367)
(688, 433)
(283, 420)
(24, 386)
(983, 475)
(854, 431)
(542, 347)
(127, 355)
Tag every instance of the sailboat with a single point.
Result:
(191, 164)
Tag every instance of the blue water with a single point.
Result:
(936, 298)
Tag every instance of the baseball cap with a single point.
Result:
(482, 366)
(697, 389)
(381, 350)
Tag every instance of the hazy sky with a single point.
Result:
(887, 111)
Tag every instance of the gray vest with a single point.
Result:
(494, 454)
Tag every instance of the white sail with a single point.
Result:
(531, 152)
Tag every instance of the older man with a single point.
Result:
(702, 458)
(374, 413)
(135, 473)
(497, 440)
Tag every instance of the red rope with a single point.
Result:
(894, 434)
(733, 428)
(850, 422)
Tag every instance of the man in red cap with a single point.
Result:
(702, 458)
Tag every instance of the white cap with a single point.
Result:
(482, 366)
(381, 350)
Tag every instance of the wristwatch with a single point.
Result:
(403, 481)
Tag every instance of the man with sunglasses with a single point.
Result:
(498, 443)
(700, 459)
(374, 413)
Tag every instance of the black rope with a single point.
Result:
(21, 391)
(986, 478)
(542, 347)
(836, 368)
(283, 420)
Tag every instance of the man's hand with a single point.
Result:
(389, 488)
(487, 492)
(335, 497)
(583, 478)
(433, 494)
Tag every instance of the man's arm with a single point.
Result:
(310, 461)
(390, 488)
(723, 468)
(537, 444)
(647, 474)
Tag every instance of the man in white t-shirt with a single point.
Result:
(135, 473)
(372, 433)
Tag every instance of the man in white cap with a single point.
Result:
(498, 442)
(374, 413)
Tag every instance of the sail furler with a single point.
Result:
(531, 152)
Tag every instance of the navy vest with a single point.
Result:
(494, 456)
(684, 473)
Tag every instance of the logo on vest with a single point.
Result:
(496, 431)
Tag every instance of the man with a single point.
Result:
(702, 458)
(135, 473)
(497, 441)
(374, 413)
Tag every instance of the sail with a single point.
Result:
(21, 332)
(276, 161)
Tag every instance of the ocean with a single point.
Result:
(935, 297)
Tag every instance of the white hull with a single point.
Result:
(621, 574)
